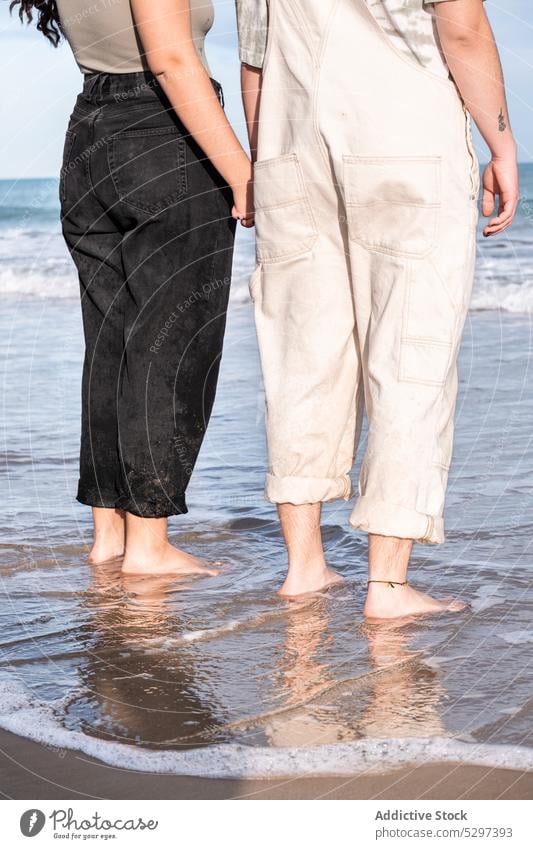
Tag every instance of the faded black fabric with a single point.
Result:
(148, 223)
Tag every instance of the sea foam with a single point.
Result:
(23, 714)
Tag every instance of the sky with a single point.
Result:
(38, 84)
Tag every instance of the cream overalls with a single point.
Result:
(365, 188)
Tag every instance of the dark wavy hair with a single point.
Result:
(47, 17)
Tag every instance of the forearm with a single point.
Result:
(191, 94)
(165, 32)
(472, 55)
(251, 79)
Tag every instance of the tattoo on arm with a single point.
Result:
(501, 122)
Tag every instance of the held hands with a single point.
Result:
(500, 178)
(243, 197)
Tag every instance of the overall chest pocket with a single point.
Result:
(148, 167)
(284, 223)
(393, 203)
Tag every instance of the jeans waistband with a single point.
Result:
(117, 88)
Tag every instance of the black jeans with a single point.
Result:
(148, 224)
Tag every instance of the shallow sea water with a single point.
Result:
(220, 675)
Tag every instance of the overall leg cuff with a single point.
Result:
(391, 520)
(294, 490)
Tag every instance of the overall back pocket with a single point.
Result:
(393, 203)
(284, 222)
(148, 167)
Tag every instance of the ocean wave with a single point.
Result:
(240, 295)
(23, 714)
(11, 235)
(55, 277)
(62, 283)
(40, 283)
(508, 297)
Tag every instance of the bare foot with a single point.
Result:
(386, 602)
(164, 560)
(309, 581)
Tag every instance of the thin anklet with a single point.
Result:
(390, 583)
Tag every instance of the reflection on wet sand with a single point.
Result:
(143, 682)
(406, 691)
(302, 676)
(134, 688)
(399, 696)
(163, 663)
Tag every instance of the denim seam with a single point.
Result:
(69, 144)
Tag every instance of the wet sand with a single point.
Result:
(31, 771)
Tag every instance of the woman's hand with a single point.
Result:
(243, 197)
(500, 178)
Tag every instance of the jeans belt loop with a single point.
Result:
(90, 86)
(102, 80)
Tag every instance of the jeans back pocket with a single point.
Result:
(148, 167)
(393, 203)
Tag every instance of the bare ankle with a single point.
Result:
(388, 559)
(302, 564)
(109, 535)
(145, 549)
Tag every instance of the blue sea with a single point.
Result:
(221, 676)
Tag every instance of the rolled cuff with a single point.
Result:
(294, 490)
(252, 57)
(97, 498)
(252, 24)
(145, 509)
(391, 520)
